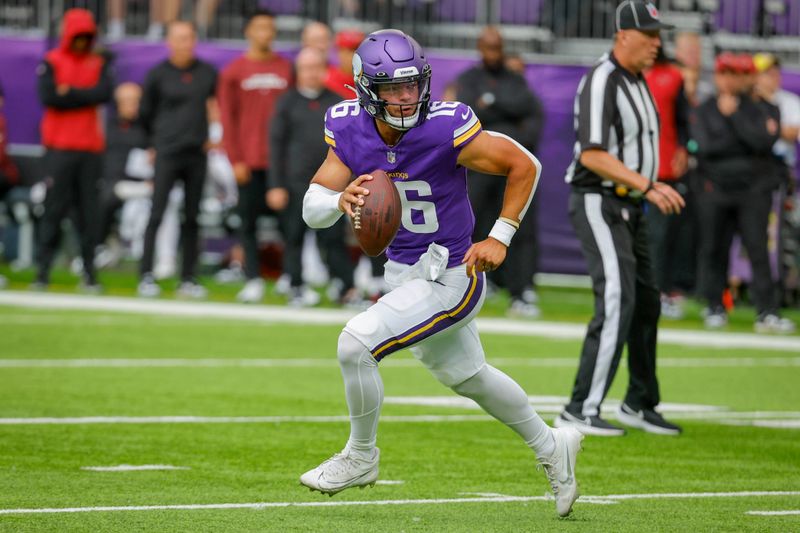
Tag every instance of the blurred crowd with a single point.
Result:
(240, 145)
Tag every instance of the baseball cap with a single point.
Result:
(746, 64)
(349, 39)
(765, 61)
(727, 62)
(639, 15)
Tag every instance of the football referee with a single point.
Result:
(614, 171)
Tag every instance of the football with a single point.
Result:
(376, 222)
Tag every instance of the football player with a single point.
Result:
(434, 270)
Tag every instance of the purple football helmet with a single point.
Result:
(391, 57)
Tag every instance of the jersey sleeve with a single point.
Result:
(465, 126)
(596, 108)
(336, 131)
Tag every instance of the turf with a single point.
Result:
(40, 465)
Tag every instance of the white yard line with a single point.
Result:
(438, 501)
(337, 317)
(132, 468)
(774, 513)
(330, 362)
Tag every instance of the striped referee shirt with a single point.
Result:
(615, 112)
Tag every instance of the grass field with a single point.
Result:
(241, 408)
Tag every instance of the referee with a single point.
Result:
(615, 169)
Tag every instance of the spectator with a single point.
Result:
(503, 102)
(768, 87)
(297, 150)
(248, 89)
(734, 136)
(73, 82)
(689, 56)
(174, 114)
(668, 250)
(341, 75)
(523, 260)
(162, 13)
(317, 35)
(126, 136)
(9, 173)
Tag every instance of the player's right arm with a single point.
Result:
(331, 193)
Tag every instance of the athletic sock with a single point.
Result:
(364, 392)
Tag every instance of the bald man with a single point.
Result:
(317, 35)
(298, 149)
(504, 103)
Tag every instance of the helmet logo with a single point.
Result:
(358, 69)
(405, 71)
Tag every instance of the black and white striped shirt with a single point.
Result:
(615, 112)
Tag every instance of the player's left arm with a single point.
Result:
(495, 153)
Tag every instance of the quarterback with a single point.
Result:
(434, 270)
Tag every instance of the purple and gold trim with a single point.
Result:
(438, 322)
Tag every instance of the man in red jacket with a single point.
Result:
(247, 91)
(672, 257)
(73, 82)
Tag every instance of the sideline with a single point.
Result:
(338, 317)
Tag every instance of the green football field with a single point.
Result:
(137, 421)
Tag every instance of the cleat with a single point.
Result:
(342, 471)
(588, 425)
(560, 468)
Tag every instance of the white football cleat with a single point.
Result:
(560, 468)
(342, 471)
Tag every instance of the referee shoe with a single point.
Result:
(588, 425)
(646, 419)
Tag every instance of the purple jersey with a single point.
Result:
(423, 166)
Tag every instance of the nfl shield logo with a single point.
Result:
(390, 157)
(652, 10)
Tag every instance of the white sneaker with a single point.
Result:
(716, 320)
(522, 309)
(253, 291)
(560, 468)
(148, 288)
(772, 323)
(342, 471)
(191, 290)
(303, 297)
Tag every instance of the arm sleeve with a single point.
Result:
(750, 127)
(466, 126)
(149, 103)
(279, 141)
(596, 108)
(229, 115)
(100, 93)
(682, 110)
(514, 101)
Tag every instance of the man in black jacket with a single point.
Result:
(173, 111)
(504, 103)
(733, 134)
(297, 149)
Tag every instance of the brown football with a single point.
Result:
(376, 222)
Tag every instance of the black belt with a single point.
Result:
(619, 191)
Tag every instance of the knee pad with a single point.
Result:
(350, 351)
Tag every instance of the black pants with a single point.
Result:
(75, 180)
(516, 272)
(614, 240)
(673, 243)
(190, 168)
(331, 243)
(252, 204)
(721, 215)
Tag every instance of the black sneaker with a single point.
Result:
(647, 420)
(588, 425)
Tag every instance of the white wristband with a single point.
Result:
(503, 232)
(321, 206)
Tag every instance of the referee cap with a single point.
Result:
(639, 15)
